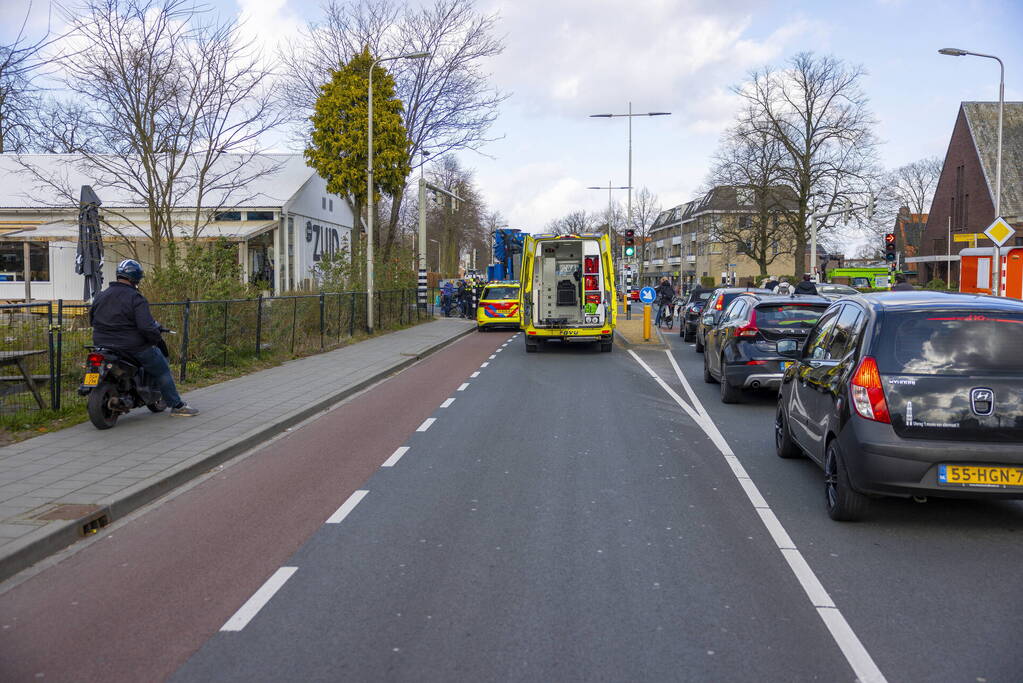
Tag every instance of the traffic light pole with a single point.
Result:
(869, 206)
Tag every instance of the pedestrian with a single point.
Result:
(901, 285)
(783, 288)
(806, 286)
(447, 294)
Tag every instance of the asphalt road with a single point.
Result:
(567, 516)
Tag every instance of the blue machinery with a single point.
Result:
(507, 254)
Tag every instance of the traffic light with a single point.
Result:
(630, 244)
(889, 246)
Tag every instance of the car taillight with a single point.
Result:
(750, 329)
(94, 360)
(867, 392)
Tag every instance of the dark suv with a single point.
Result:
(740, 351)
(908, 394)
(715, 307)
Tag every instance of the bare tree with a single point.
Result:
(459, 226)
(914, 183)
(176, 104)
(450, 103)
(64, 128)
(574, 223)
(817, 112)
(645, 210)
(751, 162)
(20, 62)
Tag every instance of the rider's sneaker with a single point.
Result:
(184, 411)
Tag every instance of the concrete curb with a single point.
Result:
(55, 536)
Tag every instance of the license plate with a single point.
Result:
(91, 379)
(984, 476)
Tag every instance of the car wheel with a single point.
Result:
(531, 347)
(699, 343)
(842, 502)
(707, 377)
(606, 347)
(729, 393)
(784, 446)
(687, 334)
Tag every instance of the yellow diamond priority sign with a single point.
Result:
(999, 232)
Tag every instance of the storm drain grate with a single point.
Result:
(95, 525)
(68, 512)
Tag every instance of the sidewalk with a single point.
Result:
(54, 487)
(631, 331)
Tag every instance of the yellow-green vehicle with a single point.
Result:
(567, 290)
(498, 306)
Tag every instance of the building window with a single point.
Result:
(12, 261)
(323, 201)
(331, 205)
(259, 215)
(966, 212)
(1019, 242)
(228, 216)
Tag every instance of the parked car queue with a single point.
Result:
(908, 394)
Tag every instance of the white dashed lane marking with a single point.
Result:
(395, 457)
(251, 608)
(465, 385)
(475, 375)
(346, 507)
(447, 402)
(426, 424)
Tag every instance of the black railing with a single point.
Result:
(42, 344)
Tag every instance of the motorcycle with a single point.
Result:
(116, 383)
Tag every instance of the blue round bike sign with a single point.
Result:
(647, 295)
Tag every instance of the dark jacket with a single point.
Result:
(665, 292)
(806, 287)
(903, 287)
(120, 319)
(771, 284)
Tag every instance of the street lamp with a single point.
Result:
(956, 52)
(630, 116)
(369, 186)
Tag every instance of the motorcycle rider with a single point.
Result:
(121, 320)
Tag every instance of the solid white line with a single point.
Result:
(346, 507)
(855, 653)
(465, 385)
(251, 608)
(426, 423)
(447, 403)
(865, 668)
(395, 457)
(475, 375)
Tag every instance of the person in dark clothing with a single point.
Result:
(121, 320)
(901, 285)
(665, 295)
(806, 286)
(771, 284)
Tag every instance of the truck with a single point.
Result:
(861, 278)
(567, 290)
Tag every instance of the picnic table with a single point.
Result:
(18, 358)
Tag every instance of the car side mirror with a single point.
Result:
(788, 348)
(708, 319)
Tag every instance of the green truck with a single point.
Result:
(861, 278)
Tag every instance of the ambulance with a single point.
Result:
(567, 290)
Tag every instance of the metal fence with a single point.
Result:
(42, 344)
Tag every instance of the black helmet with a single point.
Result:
(130, 270)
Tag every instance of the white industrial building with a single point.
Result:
(283, 221)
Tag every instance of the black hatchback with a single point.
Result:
(740, 351)
(907, 394)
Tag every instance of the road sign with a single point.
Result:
(647, 295)
(999, 232)
(970, 237)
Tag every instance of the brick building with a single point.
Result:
(964, 201)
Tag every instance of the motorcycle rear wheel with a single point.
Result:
(101, 414)
(157, 406)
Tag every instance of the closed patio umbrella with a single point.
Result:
(89, 260)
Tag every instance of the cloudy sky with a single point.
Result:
(566, 59)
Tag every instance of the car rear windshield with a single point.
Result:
(790, 316)
(951, 343)
(500, 293)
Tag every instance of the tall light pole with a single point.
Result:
(369, 186)
(956, 52)
(630, 116)
(610, 205)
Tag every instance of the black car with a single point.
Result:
(717, 302)
(692, 308)
(907, 394)
(740, 351)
